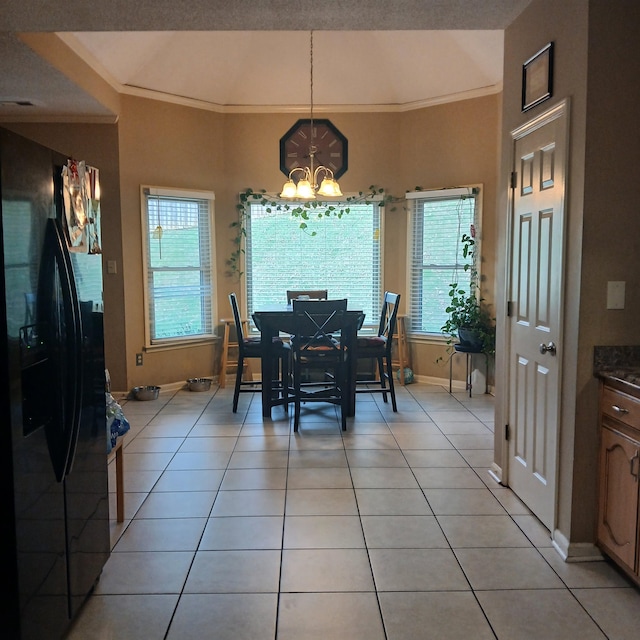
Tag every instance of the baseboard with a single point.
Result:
(575, 551)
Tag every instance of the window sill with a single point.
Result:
(182, 344)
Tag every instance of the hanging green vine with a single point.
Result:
(304, 211)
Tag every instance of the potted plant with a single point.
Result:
(469, 319)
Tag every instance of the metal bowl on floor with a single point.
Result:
(199, 384)
(146, 392)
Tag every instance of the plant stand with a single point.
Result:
(469, 353)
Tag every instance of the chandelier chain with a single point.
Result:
(311, 84)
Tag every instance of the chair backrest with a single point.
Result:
(236, 317)
(310, 294)
(388, 316)
(316, 322)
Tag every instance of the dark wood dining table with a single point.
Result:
(273, 321)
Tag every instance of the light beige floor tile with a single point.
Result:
(259, 502)
(177, 504)
(199, 460)
(241, 479)
(319, 478)
(242, 532)
(387, 502)
(213, 443)
(617, 611)
(370, 428)
(126, 616)
(258, 459)
(477, 457)
(417, 570)
(375, 458)
(482, 531)
(153, 445)
(234, 571)
(190, 480)
(335, 570)
(507, 498)
(140, 481)
(315, 502)
(383, 478)
(464, 428)
(369, 441)
(415, 428)
(472, 441)
(409, 532)
(463, 502)
(534, 530)
(325, 616)
(451, 615)
(260, 428)
(409, 441)
(145, 572)
(552, 614)
(316, 441)
(435, 458)
(322, 532)
(163, 534)
(448, 477)
(457, 415)
(204, 429)
(241, 616)
(586, 575)
(315, 458)
(507, 568)
(262, 443)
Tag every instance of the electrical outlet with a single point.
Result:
(138, 359)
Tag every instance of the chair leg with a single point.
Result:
(296, 395)
(236, 391)
(381, 374)
(392, 388)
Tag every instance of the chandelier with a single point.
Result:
(308, 177)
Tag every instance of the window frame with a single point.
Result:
(157, 344)
(475, 190)
(371, 320)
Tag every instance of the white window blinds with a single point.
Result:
(438, 219)
(179, 259)
(344, 256)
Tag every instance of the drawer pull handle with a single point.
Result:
(618, 409)
(633, 464)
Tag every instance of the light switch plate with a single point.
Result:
(615, 294)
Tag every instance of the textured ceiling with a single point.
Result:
(254, 54)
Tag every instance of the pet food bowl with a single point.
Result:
(199, 384)
(146, 393)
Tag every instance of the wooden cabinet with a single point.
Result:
(619, 486)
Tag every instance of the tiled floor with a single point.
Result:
(239, 529)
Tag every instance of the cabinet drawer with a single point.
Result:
(621, 406)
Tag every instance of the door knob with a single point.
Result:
(550, 348)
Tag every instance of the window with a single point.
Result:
(178, 249)
(344, 256)
(437, 221)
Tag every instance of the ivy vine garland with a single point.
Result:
(304, 211)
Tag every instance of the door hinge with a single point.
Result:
(509, 308)
(507, 432)
(514, 179)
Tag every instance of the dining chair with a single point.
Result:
(309, 294)
(316, 345)
(251, 347)
(379, 348)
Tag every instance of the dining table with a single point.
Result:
(279, 319)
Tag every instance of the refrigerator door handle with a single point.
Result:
(66, 340)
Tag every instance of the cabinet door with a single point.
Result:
(618, 513)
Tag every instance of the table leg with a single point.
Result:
(266, 363)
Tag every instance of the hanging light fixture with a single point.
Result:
(307, 185)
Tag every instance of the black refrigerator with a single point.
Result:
(55, 508)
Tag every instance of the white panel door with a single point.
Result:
(535, 341)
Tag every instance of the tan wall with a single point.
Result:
(596, 51)
(168, 145)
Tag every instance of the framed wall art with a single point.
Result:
(537, 78)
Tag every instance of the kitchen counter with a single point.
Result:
(619, 367)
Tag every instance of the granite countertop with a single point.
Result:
(620, 364)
